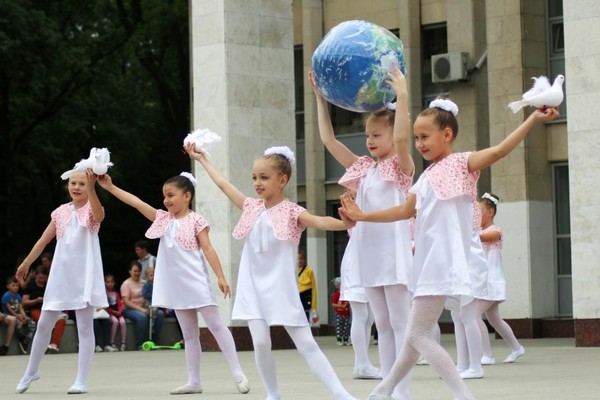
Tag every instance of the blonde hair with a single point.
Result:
(281, 163)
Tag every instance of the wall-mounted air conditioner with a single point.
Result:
(449, 67)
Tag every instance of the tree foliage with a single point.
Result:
(78, 74)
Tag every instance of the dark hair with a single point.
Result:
(109, 276)
(490, 204)
(41, 269)
(11, 279)
(47, 255)
(183, 183)
(282, 164)
(142, 244)
(443, 119)
(386, 115)
(134, 263)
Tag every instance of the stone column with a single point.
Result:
(522, 179)
(583, 91)
(316, 201)
(243, 89)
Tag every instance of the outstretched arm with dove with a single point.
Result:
(98, 161)
(542, 95)
(105, 181)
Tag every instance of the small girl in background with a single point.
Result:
(492, 240)
(115, 310)
(342, 315)
(267, 289)
(182, 281)
(443, 196)
(148, 286)
(377, 266)
(76, 278)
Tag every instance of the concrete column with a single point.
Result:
(583, 91)
(316, 201)
(243, 89)
(522, 179)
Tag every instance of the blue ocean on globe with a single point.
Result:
(351, 63)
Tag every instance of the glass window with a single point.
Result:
(562, 237)
(556, 46)
(299, 90)
(434, 40)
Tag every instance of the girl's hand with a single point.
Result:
(191, 151)
(313, 83)
(21, 273)
(224, 287)
(91, 178)
(397, 81)
(349, 208)
(347, 221)
(545, 114)
(105, 181)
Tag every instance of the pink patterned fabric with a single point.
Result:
(476, 216)
(450, 177)
(496, 244)
(389, 170)
(189, 228)
(62, 215)
(284, 217)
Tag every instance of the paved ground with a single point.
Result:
(551, 369)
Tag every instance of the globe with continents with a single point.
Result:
(351, 63)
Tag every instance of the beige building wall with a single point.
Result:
(243, 89)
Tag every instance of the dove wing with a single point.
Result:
(540, 85)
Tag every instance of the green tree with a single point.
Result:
(81, 74)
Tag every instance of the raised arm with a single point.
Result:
(402, 121)
(213, 260)
(484, 158)
(232, 192)
(97, 210)
(338, 150)
(105, 181)
(396, 213)
(39, 246)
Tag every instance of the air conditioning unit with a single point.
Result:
(449, 67)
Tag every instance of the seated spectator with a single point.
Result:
(135, 308)
(11, 324)
(146, 259)
(33, 297)
(148, 286)
(12, 305)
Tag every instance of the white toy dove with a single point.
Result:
(202, 139)
(541, 95)
(98, 161)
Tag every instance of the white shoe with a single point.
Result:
(380, 397)
(422, 361)
(98, 349)
(472, 374)
(52, 349)
(369, 373)
(485, 360)
(243, 386)
(512, 357)
(24, 383)
(110, 349)
(77, 389)
(186, 389)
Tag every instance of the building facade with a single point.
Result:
(252, 59)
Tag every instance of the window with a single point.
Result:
(556, 44)
(562, 237)
(299, 107)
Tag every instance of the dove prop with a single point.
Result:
(202, 139)
(98, 161)
(541, 95)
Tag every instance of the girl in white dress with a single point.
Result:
(443, 196)
(267, 288)
(492, 239)
(378, 266)
(76, 280)
(181, 280)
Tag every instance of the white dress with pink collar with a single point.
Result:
(496, 282)
(76, 278)
(478, 266)
(380, 253)
(181, 278)
(267, 286)
(444, 230)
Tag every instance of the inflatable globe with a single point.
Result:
(351, 63)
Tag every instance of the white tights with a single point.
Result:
(492, 312)
(424, 314)
(188, 320)
(360, 332)
(391, 308)
(468, 337)
(85, 333)
(308, 348)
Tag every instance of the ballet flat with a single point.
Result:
(77, 389)
(24, 385)
(186, 389)
(243, 386)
